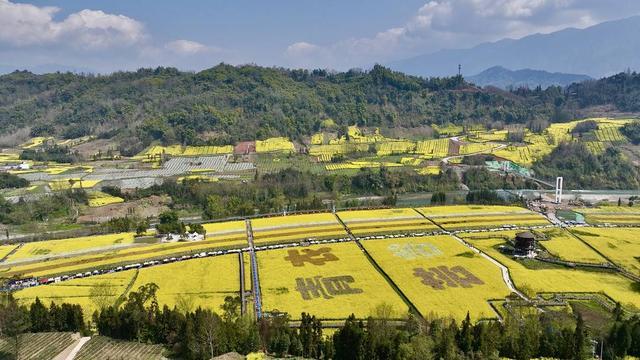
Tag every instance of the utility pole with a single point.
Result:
(459, 69)
(559, 189)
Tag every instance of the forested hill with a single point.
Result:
(227, 103)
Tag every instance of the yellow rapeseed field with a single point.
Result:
(556, 279)
(378, 214)
(407, 261)
(199, 282)
(452, 210)
(6, 249)
(475, 148)
(566, 247)
(362, 222)
(110, 258)
(611, 214)
(80, 291)
(621, 245)
(281, 229)
(395, 147)
(330, 281)
(430, 170)
(432, 149)
(490, 221)
(610, 209)
(38, 249)
(35, 142)
(72, 184)
(189, 284)
(278, 144)
(179, 150)
(226, 227)
(354, 165)
(99, 198)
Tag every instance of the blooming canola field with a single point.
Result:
(335, 264)
(332, 282)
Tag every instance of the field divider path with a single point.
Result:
(379, 269)
(346, 228)
(506, 274)
(243, 299)
(126, 291)
(13, 251)
(257, 296)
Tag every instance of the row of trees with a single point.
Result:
(45, 208)
(8, 181)
(203, 334)
(292, 189)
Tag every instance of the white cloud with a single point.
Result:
(27, 24)
(187, 47)
(442, 24)
(301, 48)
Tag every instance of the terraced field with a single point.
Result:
(620, 245)
(332, 282)
(98, 198)
(482, 217)
(199, 282)
(282, 229)
(615, 215)
(43, 249)
(103, 348)
(279, 144)
(5, 250)
(440, 276)
(366, 222)
(38, 346)
(91, 293)
(564, 246)
(555, 278)
(437, 273)
(228, 231)
(433, 149)
(194, 283)
(111, 258)
(465, 210)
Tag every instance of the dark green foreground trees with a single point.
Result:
(203, 334)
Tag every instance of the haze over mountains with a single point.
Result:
(503, 78)
(597, 51)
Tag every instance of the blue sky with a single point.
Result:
(104, 36)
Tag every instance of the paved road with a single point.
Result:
(70, 352)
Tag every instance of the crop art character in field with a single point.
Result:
(437, 277)
(326, 288)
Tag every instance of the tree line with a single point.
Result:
(189, 333)
(292, 189)
(232, 103)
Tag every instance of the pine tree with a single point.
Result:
(39, 317)
(465, 336)
(348, 341)
(580, 340)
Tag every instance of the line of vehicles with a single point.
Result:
(30, 282)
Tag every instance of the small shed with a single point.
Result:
(525, 243)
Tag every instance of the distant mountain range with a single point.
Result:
(600, 50)
(501, 77)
